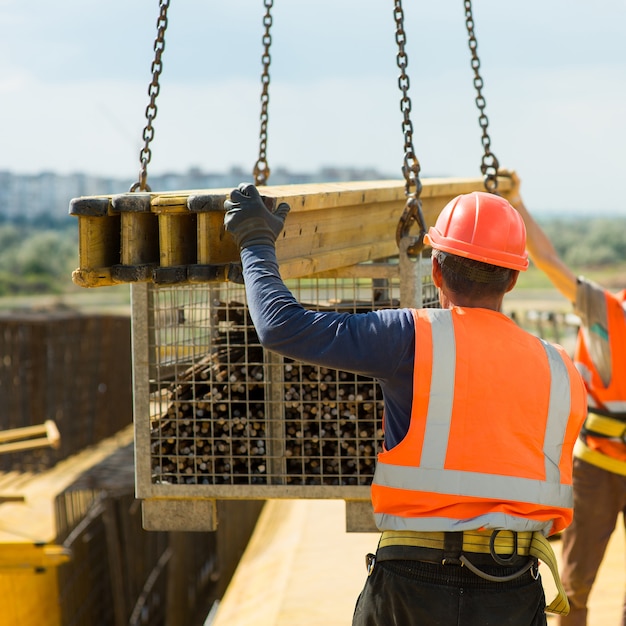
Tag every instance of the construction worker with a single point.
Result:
(480, 419)
(600, 452)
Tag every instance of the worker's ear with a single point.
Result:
(513, 281)
(436, 273)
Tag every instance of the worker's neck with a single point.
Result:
(449, 300)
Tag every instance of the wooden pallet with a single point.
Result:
(179, 237)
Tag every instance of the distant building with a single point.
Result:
(49, 194)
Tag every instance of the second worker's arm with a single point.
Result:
(542, 251)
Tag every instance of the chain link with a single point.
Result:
(489, 164)
(411, 166)
(261, 168)
(153, 91)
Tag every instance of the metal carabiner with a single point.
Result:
(492, 549)
(412, 214)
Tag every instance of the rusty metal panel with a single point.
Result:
(71, 368)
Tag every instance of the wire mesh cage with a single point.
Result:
(229, 419)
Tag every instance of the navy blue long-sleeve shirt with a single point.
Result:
(379, 344)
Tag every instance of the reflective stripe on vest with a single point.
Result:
(610, 398)
(613, 406)
(432, 477)
(613, 395)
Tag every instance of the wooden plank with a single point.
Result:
(139, 239)
(330, 225)
(99, 241)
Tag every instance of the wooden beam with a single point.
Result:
(29, 437)
(179, 237)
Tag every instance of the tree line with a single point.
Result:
(588, 243)
(38, 255)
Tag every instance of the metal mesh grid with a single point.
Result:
(224, 411)
(48, 372)
(85, 593)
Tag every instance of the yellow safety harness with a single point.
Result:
(500, 544)
(606, 427)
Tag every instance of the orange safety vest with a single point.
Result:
(608, 449)
(495, 415)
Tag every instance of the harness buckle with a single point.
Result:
(370, 561)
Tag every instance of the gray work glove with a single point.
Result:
(249, 220)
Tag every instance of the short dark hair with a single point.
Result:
(469, 277)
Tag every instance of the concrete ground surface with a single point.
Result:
(301, 568)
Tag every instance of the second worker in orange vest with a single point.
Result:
(480, 419)
(599, 476)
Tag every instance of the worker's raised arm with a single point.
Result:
(541, 250)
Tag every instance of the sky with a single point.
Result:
(74, 79)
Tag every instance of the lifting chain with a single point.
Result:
(411, 167)
(489, 164)
(153, 91)
(261, 168)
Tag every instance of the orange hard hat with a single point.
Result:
(483, 227)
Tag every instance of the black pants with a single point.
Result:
(415, 593)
